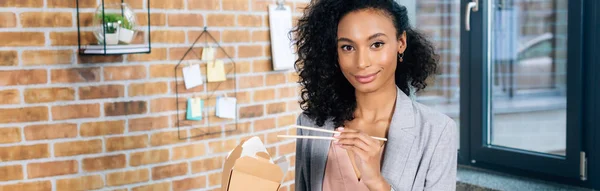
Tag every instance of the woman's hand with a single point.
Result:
(367, 156)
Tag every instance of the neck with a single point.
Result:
(376, 105)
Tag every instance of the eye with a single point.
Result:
(347, 48)
(377, 45)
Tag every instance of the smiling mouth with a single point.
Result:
(364, 79)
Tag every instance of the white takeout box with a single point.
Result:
(249, 167)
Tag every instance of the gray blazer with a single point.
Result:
(420, 153)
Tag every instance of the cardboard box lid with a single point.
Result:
(261, 166)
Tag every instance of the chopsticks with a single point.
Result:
(318, 137)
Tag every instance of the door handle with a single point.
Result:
(471, 6)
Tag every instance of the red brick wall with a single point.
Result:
(71, 122)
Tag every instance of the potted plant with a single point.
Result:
(126, 32)
(116, 22)
(112, 24)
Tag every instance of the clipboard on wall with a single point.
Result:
(282, 49)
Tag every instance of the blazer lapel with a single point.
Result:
(400, 140)
(319, 150)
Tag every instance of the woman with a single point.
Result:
(358, 61)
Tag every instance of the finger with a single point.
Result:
(363, 155)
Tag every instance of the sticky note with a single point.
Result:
(215, 71)
(194, 109)
(192, 76)
(208, 54)
(226, 107)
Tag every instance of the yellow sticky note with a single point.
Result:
(215, 71)
(208, 54)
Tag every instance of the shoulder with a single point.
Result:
(433, 123)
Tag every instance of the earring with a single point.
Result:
(400, 55)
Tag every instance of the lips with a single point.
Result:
(364, 79)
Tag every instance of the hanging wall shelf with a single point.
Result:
(114, 28)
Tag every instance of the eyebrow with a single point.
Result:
(370, 38)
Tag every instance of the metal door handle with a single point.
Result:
(474, 6)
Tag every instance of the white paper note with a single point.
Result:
(226, 107)
(282, 49)
(192, 76)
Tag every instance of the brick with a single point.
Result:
(220, 20)
(148, 123)
(10, 135)
(163, 104)
(8, 58)
(24, 152)
(249, 20)
(102, 128)
(208, 164)
(189, 151)
(275, 79)
(264, 95)
(71, 4)
(226, 52)
(12, 172)
(260, 5)
(29, 186)
(87, 59)
(168, 36)
(46, 19)
(194, 34)
(261, 36)
(229, 84)
(47, 57)
(248, 51)
(266, 51)
(156, 54)
(167, 138)
(235, 5)
(104, 163)
(288, 148)
(190, 183)
(124, 72)
(54, 168)
(8, 20)
(75, 75)
(180, 87)
(80, 183)
(125, 108)
(274, 108)
(251, 111)
(286, 120)
(293, 106)
(75, 111)
(153, 187)
(134, 4)
(238, 129)
(127, 177)
(236, 36)
(126, 143)
(50, 131)
(149, 157)
(214, 179)
(172, 4)
(177, 53)
(156, 19)
(167, 171)
(9, 97)
(70, 38)
(287, 92)
(44, 95)
(203, 4)
(241, 67)
(185, 20)
(221, 146)
(101, 92)
(251, 81)
(164, 71)
(77, 148)
(264, 124)
(22, 39)
(22, 77)
(146, 89)
(22, 3)
(26, 114)
(271, 138)
(292, 77)
(261, 66)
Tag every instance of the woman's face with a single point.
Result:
(367, 47)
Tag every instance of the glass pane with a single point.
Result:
(527, 75)
(440, 21)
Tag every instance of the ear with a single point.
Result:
(402, 42)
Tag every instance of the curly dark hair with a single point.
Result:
(326, 93)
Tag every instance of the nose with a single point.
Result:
(363, 59)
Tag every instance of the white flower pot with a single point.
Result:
(112, 39)
(126, 35)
